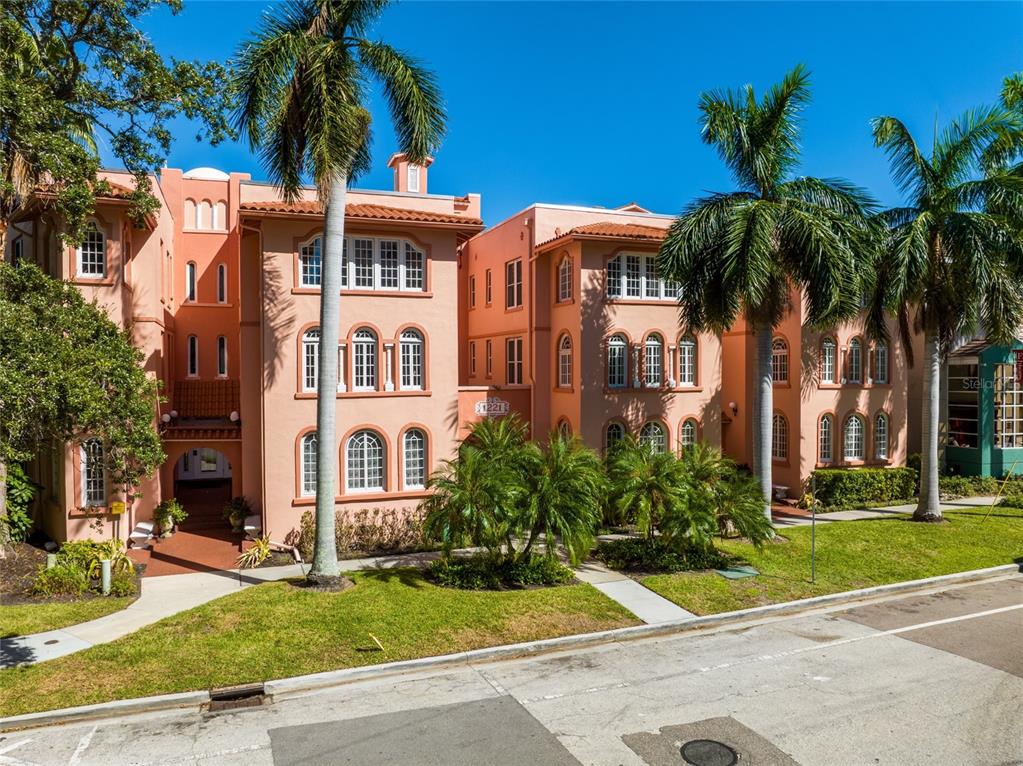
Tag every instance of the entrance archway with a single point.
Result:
(202, 484)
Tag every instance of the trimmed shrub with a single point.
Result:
(657, 555)
(486, 572)
(955, 487)
(846, 488)
(123, 584)
(61, 580)
(1013, 501)
(366, 531)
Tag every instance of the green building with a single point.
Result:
(984, 415)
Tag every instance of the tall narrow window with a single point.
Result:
(881, 437)
(513, 284)
(687, 361)
(565, 362)
(617, 361)
(193, 356)
(881, 362)
(565, 279)
(472, 291)
(345, 267)
(651, 282)
(472, 357)
(613, 434)
(414, 449)
(222, 283)
(92, 253)
(222, 356)
(855, 363)
(362, 258)
(654, 436)
(614, 278)
(853, 438)
(825, 440)
(829, 352)
(779, 361)
(94, 479)
(489, 287)
(389, 264)
(632, 277)
(311, 359)
(564, 429)
(779, 437)
(653, 361)
(414, 273)
(220, 216)
(310, 264)
(411, 360)
(18, 252)
(490, 358)
(513, 350)
(364, 462)
(204, 214)
(413, 178)
(364, 377)
(687, 434)
(190, 281)
(308, 466)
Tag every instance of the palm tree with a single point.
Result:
(953, 254)
(302, 89)
(646, 485)
(742, 254)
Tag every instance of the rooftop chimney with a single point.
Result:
(408, 177)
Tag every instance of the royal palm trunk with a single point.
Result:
(929, 504)
(763, 414)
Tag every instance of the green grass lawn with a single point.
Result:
(23, 619)
(277, 630)
(850, 555)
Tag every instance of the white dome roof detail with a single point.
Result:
(207, 174)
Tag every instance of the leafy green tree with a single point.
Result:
(302, 89)
(69, 372)
(952, 256)
(645, 486)
(743, 254)
(75, 71)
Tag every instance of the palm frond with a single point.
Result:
(964, 143)
(910, 170)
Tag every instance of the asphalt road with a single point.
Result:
(927, 679)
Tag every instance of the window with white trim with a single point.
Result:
(565, 279)
(308, 464)
(1008, 403)
(92, 253)
(687, 361)
(411, 343)
(565, 362)
(389, 264)
(190, 281)
(368, 263)
(617, 361)
(364, 462)
(222, 356)
(414, 273)
(825, 439)
(881, 437)
(513, 284)
(93, 472)
(654, 436)
(881, 362)
(855, 361)
(829, 356)
(687, 433)
(613, 434)
(222, 283)
(779, 361)
(414, 449)
(642, 280)
(310, 263)
(779, 437)
(193, 356)
(311, 359)
(513, 358)
(413, 179)
(852, 438)
(653, 361)
(364, 360)
(362, 263)
(564, 429)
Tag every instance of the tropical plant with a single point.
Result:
(952, 255)
(88, 555)
(744, 254)
(645, 486)
(21, 491)
(169, 514)
(256, 553)
(236, 510)
(302, 89)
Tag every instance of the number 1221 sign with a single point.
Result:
(492, 407)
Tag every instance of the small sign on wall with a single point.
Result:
(117, 508)
(492, 407)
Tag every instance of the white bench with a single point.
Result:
(252, 527)
(142, 535)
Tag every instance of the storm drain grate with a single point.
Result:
(708, 752)
(236, 697)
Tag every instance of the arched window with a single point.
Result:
(653, 435)
(222, 283)
(853, 438)
(190, 280)
(855, 362)
(565, 361)
(829, 354)
(310, 263)
(881, 362)
(190, 219)
(92, 253)
(94, 478)
(564, 429)
(414, 449)
(881, 437)
(203, 215)
(411, 360)
(687, 361)
(365, 360)
(613, 434)
(653, 361)
(779, 437)
(565, 279)
(779, 361)
(220, 216)
(687, 434)
(308, 464)
(825, 439)
(193, 356)
(364, 462)
(222, 356)
(617, 361)
(311, 359)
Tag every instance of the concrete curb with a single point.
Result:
(317, 681)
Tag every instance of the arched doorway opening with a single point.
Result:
(202, 484)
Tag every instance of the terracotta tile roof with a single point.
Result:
(117, 191)
(206, 398)
(610, 230)
(375, 212)
(183, 433)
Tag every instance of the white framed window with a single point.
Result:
(488, 280)
(881, 362)
(687, 433)
(414, 273)
(362, 263)
(617, 361)
(687, 361)
(855, 361)
(564, 429)
(513, 284)
(565, 361)
(222, 356)
(193, 356)
(779, 437)
(472, 357)
(636, 277)
(472, 291)
(654, 436)
(565, 279)
(779, 361)
(825, 439)
(490, 358)
(414, 451)
(413, 178)
(1008, 404)
(94, 475)
(653, 361)
(92, 253)
(390, 266)
(513, 358)
(614, 278)
(364, 358)
(613, 434)
(308, 464)
(881, 436)
(310, 263)
(364, 462)
(829, 355)
(190, 281)
(852, 440)
(311, 359)
(411, 343)
(633, 277)
(222, 283)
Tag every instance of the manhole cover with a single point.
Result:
(708, 752)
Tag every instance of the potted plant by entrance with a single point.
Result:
(168, 515)
(235, 511)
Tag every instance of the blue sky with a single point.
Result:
(595, 102)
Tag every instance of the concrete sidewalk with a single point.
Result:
(879, 513)
(641, 601)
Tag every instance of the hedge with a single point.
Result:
(955, 487)
(840, 489)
